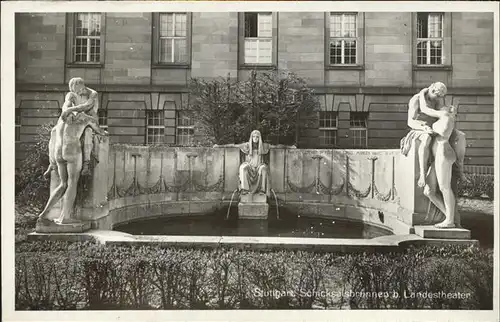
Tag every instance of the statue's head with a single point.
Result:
(255, 136)
(77, 85)
(437, 90)
(255, 139)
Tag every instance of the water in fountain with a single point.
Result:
(277, 205)
(230, 203)
(219, 223)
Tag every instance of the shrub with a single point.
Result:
(31, 188)
(90, 276)
(226, 110)
(477, 186)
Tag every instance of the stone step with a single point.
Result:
(429, 231)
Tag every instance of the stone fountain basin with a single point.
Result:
(347, 245)
(399, 235)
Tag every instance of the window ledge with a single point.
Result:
(258, 66)
(171, 66)
(85, 65)
(344, 67)
(432, 67)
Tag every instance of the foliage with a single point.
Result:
(215, 110)
(31, 188)
(56, 275)
(477, 186)
(226, 110)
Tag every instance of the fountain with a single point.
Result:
(332, 198)
(230, 204)
(254, 178)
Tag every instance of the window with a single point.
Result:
(87, 38)
(258, 38)
(328, 124)
(185, 129)
(430, 38)
(103, 118)
(358, 128)
(155, 126)
(343, 39)
(173, 38)
(18, 125)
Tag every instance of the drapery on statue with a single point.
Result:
(254, 173)
(66, 153)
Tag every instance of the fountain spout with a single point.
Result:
(277, 205)
(230, 202)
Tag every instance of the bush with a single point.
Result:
(477, 186)
(227, 110)
(89, 276)
(31, 188)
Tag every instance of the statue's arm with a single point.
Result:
(87, 105)
(68, 101)
(412, 116)
(426, 109)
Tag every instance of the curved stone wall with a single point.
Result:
(366, 185)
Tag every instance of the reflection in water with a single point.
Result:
(289, 225)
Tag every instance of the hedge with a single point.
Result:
(60, 276)
(477, 186)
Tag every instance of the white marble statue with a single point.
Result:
(68, 156)
(447, 149)
(253, 172)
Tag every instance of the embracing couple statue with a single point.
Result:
(433, 124)
(70, 148)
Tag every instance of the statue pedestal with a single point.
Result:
(430, 231)
(415, 205)
(412, 198)
(253, 206)
(52, 227)
(95, 203)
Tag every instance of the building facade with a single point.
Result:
(363, 66)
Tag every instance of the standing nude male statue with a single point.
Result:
(66, 154)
